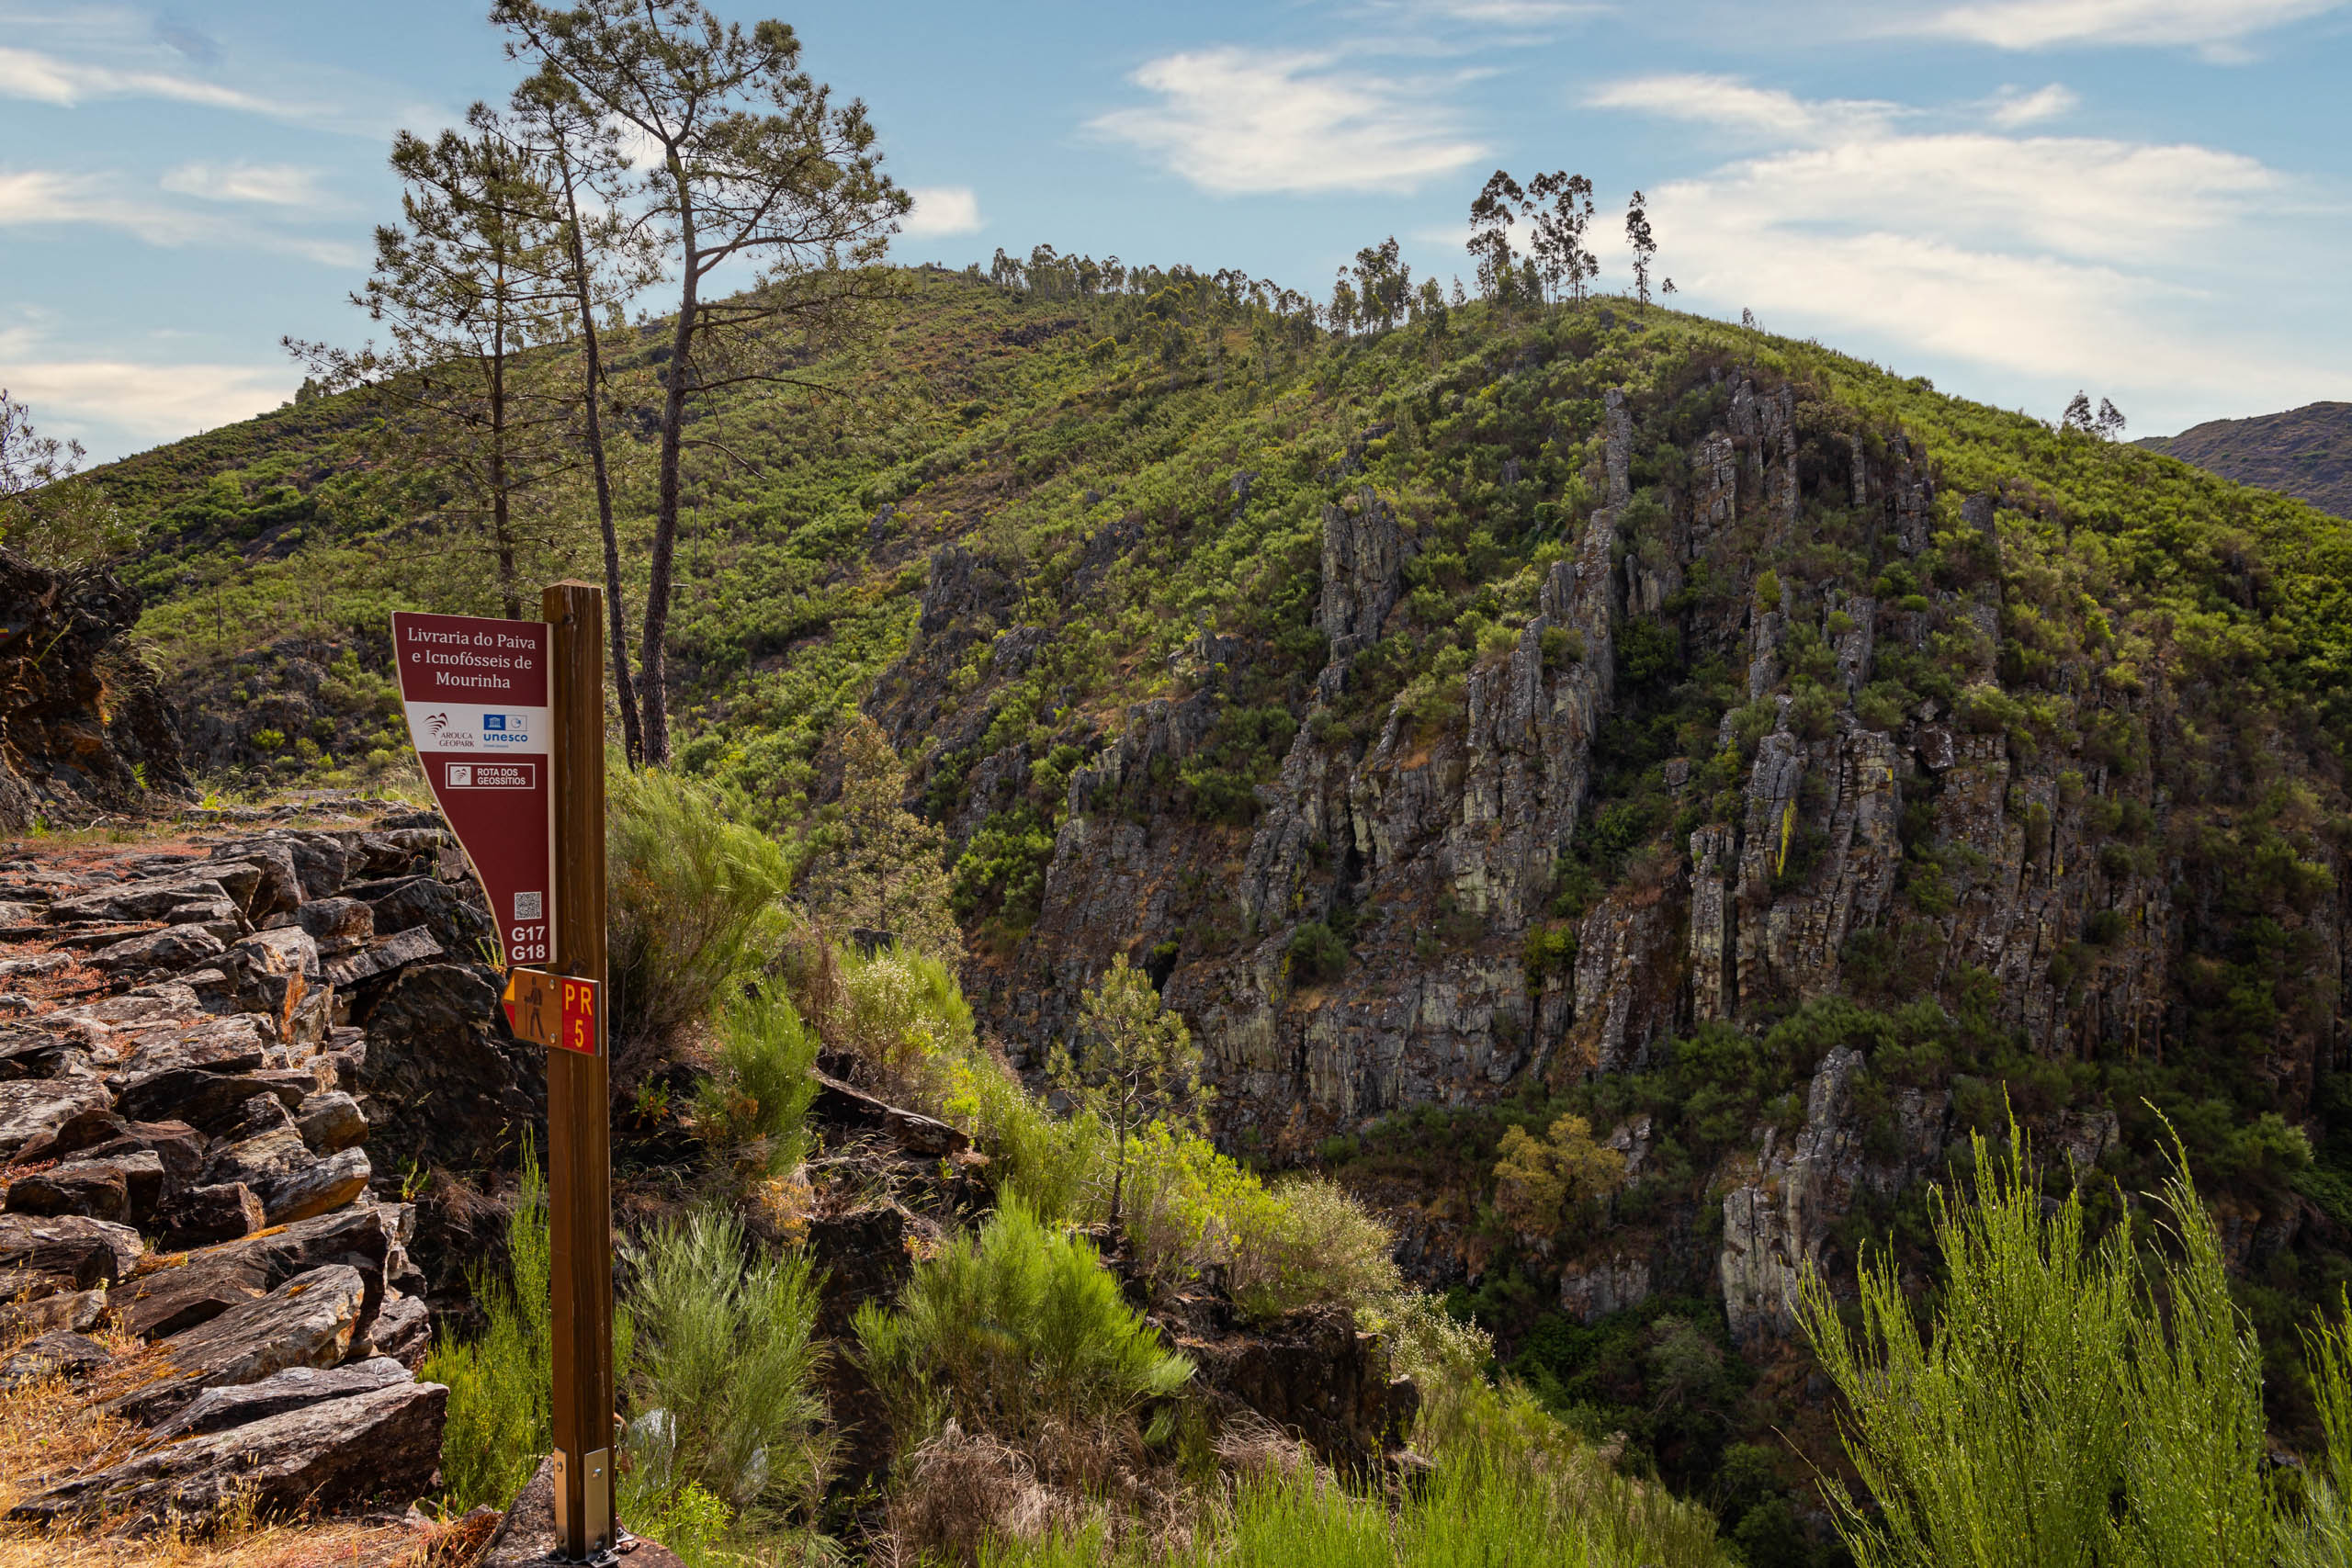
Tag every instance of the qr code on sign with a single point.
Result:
(526, 906)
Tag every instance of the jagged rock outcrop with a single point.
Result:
(83, 728)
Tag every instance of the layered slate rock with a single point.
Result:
(307, 1322)
(377, 1446)
(185, 1155)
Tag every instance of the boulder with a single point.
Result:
(274, 973)
(1313, 1373)
(186, 1289)
(147, 899)
(173, 947)
(306, 1322)
(76, 1312)
(317, 1188)
(260, 1159)
(200, 1217)
(233, 1045)
(206, 1100)
(342, 922)
(331, 1123)
(414, 945)
(378, 1446)
(453, 921)
(296, 1388)
(437, 1040)
(60, 1354)
(87, 1252)
(322, 862)
(178, 1149)
(276, 887)
(35, 1053)
(95, 1188)
(31, 1109)
(402, 1329)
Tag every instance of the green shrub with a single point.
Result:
(1551, 949)
(1317, 1245)
(902, 1014)
(696, 908)
(1008, 1329)
(499, 1422)
(2067, 1405)
(722, 1369)
(751, 1106)
(1316, 953)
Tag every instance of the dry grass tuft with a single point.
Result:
(964, 1488)
(50, 1429)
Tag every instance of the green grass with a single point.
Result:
(499, 1421)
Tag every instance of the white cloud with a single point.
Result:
(2047, 258)
(271, 185)
(1731, 102)
(41, 198)
(99, 398)
(2013, 110)
(1235, 122)
(47, 79)
(2046, 24)
(941, 209)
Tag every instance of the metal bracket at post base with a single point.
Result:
(597, 1504)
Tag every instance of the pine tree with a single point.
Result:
(1559, 207)
(757, 165)
(1491, 217)
(467, 280)
(873, 864)
(1643, 244)
(1136, 1064)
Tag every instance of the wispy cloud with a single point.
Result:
(1235, 122)
(1731, 102)
(2048, 24)
(271, 185)
(941, 209)
(2013, 109)
(44, 199)
(49, 79)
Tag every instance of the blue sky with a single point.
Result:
(2148, 198)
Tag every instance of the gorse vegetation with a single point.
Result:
(2071, 1400)
(1011, 1327)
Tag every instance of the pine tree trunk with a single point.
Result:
(653, 667)
(632, 735)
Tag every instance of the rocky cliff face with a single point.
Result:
(83, 729)
(1885, 807)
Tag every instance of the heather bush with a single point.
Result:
(696, 909)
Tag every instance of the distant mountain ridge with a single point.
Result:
(2305, 452)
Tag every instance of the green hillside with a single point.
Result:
(1772, 766)
(2305, 452)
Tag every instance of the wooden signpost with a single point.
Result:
(508, 719)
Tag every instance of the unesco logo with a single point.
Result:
(504, 728)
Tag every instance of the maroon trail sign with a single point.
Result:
(476, 693)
